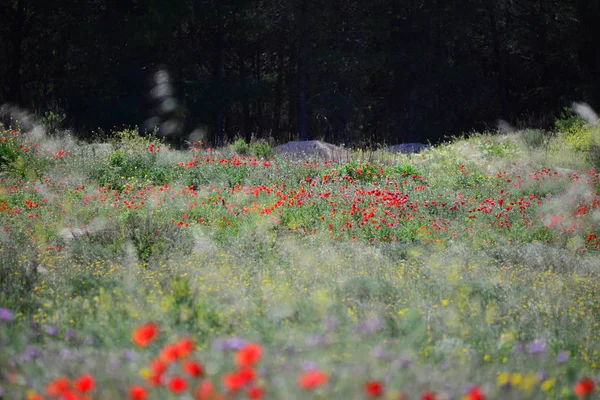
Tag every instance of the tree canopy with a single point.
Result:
(345, 71)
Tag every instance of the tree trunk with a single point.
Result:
(502, 89)
(18, 33)
(258, 102)
(278, 97)
(247, 129)
(303, 71)
(218, 76)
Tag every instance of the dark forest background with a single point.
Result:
(346, 71)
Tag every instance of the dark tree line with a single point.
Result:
(341, 70)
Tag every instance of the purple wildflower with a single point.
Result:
(51, 330)
(6, 314)
(562, 357)
(128, 355)
(537, 346)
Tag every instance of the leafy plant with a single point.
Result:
(52, 121)
(241, 147)
(261, 149)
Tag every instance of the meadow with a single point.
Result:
(130, 270)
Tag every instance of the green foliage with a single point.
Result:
(364, 172)
(261, 149)
(132, 166)
(459, 268)
(8, 155)
(241, 147)
(52, 121)
(568, 123)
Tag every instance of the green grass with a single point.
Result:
(471, 264)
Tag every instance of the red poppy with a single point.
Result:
(169, 353)
(158, 367)
(428, 395)
(177, 384)
(137, 393)
(475, 394)
(254, 392)
(57, 386)
(155, 380)
(312, 379)
(185, 346)
(248, 355)
(192, 368)
(233, 381)
(84, 383)
(247, 375)
(144, 334)
(584, 387)
(374, 388)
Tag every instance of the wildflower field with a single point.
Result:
(130, 270)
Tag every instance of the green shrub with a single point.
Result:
(52, 121)
(261, 149)
(241, 147)
(361, 171)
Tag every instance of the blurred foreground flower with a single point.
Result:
(248, 355)
(312, 379)
(137, 393)
(144, 334)
(6, 314)
(374, 388)
(584, 387)
(474, 394)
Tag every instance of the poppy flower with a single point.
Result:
(137, 393)
(584, 387)
(428, 395)
(158, 367)
(169, 353)
(233, 381)
(177, 384)
(247, 375)
(373, 388)
(84, 383)
(475, 394)
(248, 355)
(312, 379)
(185, 346)
(254, 392)
(144, 334)
(192, 368)
(58, 386)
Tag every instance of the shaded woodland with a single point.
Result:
(346, 71)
